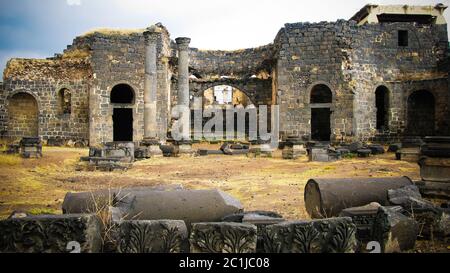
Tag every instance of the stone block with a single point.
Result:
(334, 235)
(159, 236)
(434, 189)
(394, 231)
(435, 169)
(363, 217)
(223, 238)
(51, 234)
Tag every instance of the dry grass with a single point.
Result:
(113, 32)
(76, 54)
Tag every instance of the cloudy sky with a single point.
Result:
(38, 29)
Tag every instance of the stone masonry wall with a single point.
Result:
(119, 59)
(311, 54)
(353, 61)
(43, 79)
(376, 59)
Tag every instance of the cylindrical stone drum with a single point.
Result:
(326, 198)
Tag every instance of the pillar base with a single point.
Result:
(260, 149)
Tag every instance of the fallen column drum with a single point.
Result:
(328, 197)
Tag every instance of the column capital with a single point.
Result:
(183, 43)
(151, 35)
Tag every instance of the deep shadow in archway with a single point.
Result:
(421, 114)
(382, 105)
(321, 98)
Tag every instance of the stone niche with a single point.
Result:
(51, 234)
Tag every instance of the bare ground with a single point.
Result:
(39, 185)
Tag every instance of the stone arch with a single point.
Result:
(320, 83)
(23, 114)
(321, 98)
(421, 113)
(122, 93)
(383, 100)
(123, 103)
(64, 101)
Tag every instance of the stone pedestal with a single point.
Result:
(260, 149)
(151, 148)
(293, 148)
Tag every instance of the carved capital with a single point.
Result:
(183, 43)
(151, 36)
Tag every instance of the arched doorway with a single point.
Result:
(122, 99)
(382, 107)
(225, 96)
(23, 116)
(321, 99)
(421, 113)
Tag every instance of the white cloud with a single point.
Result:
(74, 2)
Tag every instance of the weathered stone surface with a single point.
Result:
(223, 238)
(51, 234)
(191, 206)
(376, 149)
(435, 169)
(159, 236)
(323, 154)
(408, 154)
(434, 223)
(408, 198)
(434, 189)
(328, 197)
(335, 235)
(91, 202)
(394, 231)
(393, 148)
(260, 219)
(364, 152)
(364, 218)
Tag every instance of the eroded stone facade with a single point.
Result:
(349, 59)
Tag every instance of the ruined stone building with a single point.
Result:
(382, 74)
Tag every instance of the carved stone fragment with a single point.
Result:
(334, 235)
(51, 234)
(223, 238)
(161, 236)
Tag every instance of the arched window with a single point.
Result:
(321, 94)
(122, 94)
(65, 101)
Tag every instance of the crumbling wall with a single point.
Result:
(239, 64)
(43, 79)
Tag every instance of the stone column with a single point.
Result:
(151, 139)
(183, 88)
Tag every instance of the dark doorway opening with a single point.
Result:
(320, 124)
(123, 124)
(421, 113)
(321, 99)
(382, 105)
